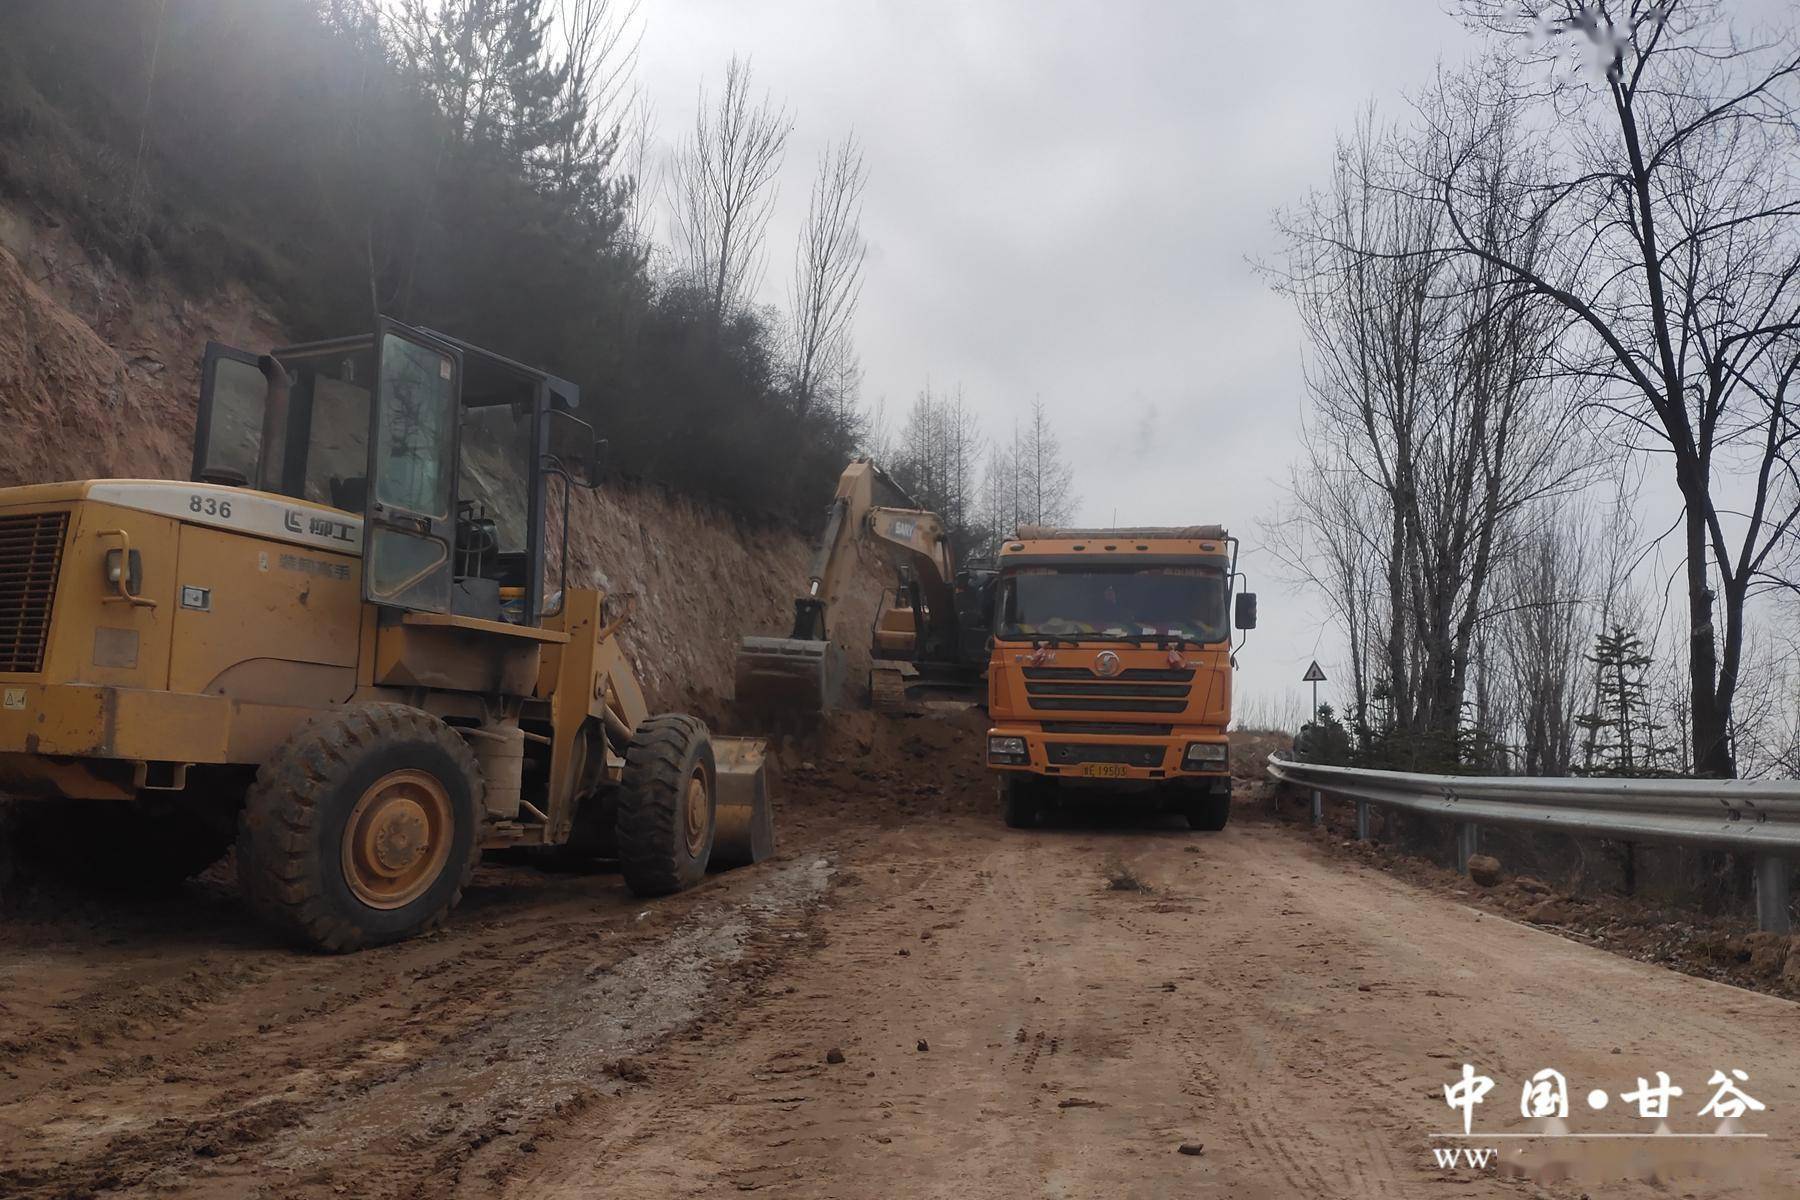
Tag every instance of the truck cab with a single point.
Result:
(1110, 673)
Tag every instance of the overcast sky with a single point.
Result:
(1064, 201)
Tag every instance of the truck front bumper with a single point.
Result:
(1114, 757)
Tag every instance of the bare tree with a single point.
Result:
(940, 449)
(638, 135)
(723, 188)
(1543, 626)
(827, 271)
(600, 40)
(1435, 431)
(1329, 537)
(1000, 496)
(1669, 236)
(1046, 482)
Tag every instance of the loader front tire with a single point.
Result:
(362, 828)
(668, 805)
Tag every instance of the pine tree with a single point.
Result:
(1620, 731)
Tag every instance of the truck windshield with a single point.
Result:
(1075, 602)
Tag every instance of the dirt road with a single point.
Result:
(1010, 1024)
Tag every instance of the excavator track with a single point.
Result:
(887, 690)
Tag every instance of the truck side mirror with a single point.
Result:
(1246, 610)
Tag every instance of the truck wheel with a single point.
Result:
(668, 801)
(1209, 812)
(1019, 802)
(363, 828)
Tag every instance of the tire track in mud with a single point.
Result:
(304, 1081)
(1295, 1018)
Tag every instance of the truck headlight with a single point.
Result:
(1204, 754)
(1007, 750)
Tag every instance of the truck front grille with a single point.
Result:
(1138, 689)
(31, 546)
(1068, 754)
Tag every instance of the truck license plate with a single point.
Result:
(1103, 770)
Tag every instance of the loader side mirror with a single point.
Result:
(1245, 616)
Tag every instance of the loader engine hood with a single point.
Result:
(239, 510)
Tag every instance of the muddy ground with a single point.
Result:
(1048, 1012)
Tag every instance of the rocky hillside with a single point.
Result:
(99, 375)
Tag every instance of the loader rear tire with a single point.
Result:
(668, 805)
(363, 828)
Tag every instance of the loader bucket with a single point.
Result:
(743, 828)
(789, 675)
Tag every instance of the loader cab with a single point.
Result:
(442, 458)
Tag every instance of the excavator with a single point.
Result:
(931, 630)
(350, 645)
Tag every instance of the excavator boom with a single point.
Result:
(804, 673)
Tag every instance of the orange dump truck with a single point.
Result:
(1110, 674)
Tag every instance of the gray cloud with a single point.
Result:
(1063, 200)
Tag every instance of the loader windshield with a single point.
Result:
(1099, 604)
(333, 384)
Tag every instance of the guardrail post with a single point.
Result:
(1772, 872)
(1362, 820)
(1468, 844)
(1318, 807)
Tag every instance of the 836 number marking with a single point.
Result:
(210, 506)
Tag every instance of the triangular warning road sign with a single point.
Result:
(1313, 674)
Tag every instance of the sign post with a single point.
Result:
(1315, 676)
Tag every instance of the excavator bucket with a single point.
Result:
(789, 675)
(743, 828)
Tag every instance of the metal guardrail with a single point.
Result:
(1761, 817)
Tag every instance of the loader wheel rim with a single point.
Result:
(695, 811)
(397, 839)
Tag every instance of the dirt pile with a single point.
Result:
(1250, 750)
(99, 376)
(885, 770)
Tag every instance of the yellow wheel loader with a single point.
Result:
(344, 644)
(930, 632)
